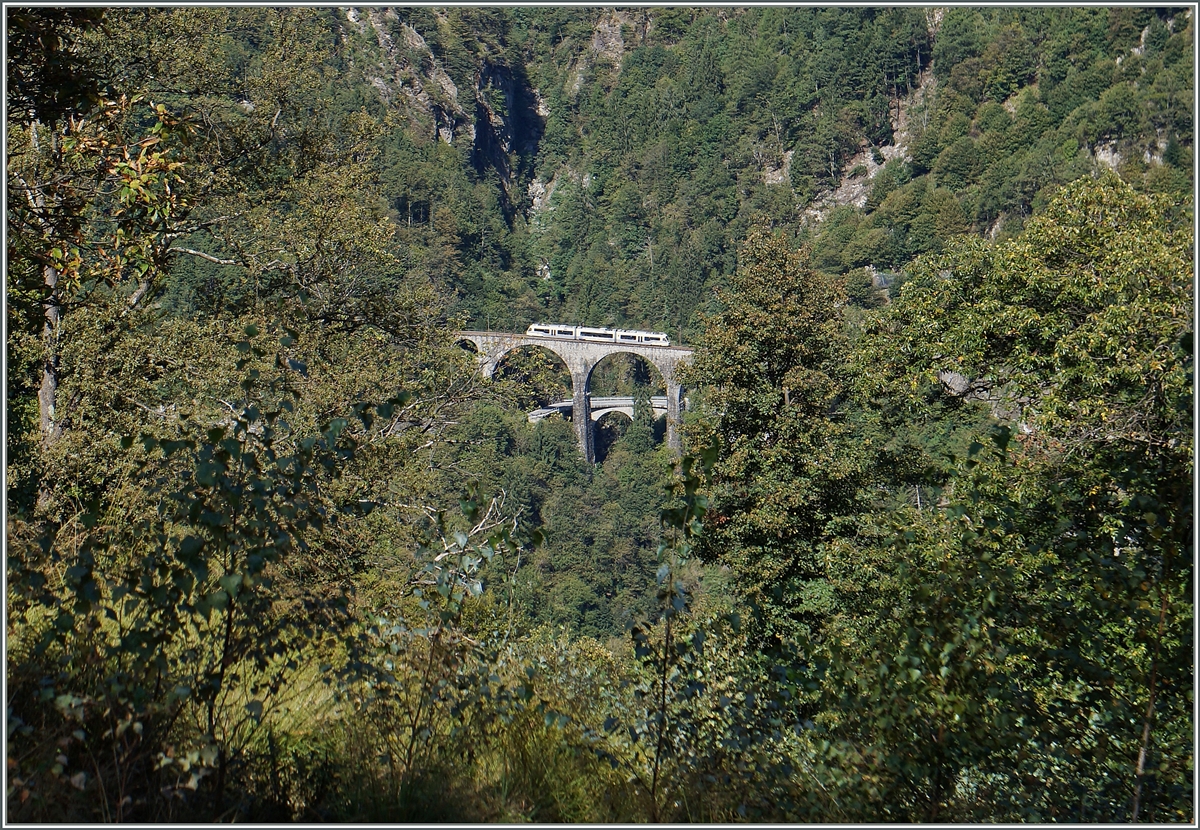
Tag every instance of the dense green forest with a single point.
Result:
(276, 551)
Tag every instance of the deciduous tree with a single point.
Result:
(788, 477)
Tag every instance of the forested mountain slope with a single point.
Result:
(606, 163)
(276, 550)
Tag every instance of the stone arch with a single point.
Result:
(608, 429)
(665, 364)
(681, 400)
(615, 412)
(540, 375)
(657, 379)
(470, 346)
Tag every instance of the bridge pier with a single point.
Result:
(674, 439)
(581, 410)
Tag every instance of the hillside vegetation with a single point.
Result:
(276, 551)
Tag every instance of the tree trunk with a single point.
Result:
(47, 419)
(1148, 719)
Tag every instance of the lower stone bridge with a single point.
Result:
(600, 407)
(581, 357)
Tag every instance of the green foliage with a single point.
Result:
(600, 522)
(422, 687)
(930, 559)
(1075, 489)
(174, 634)
(1013, 117)
(861, 290)
(49, 77)
(694, 701)
(538, 375)
(788, 475)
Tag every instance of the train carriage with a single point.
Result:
(598, 334)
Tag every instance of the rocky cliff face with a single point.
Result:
(406, 75)
(861, 168)
(508, 123)
(607, 44)
(500, 114)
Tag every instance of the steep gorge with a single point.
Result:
(629, 150)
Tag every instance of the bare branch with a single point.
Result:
(139, 292)
(176, 250)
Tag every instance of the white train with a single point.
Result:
(656, 338)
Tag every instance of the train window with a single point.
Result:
(537, 330)
(632, 337)
(566, 333)
(598, 335)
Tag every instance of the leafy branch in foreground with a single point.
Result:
(695, 702)
(422, 685)
(176, 634)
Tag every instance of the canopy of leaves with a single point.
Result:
(276, 552)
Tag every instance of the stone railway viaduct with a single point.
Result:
(581, 357)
